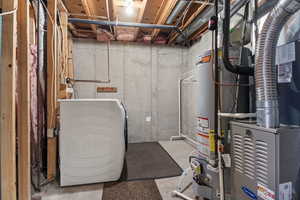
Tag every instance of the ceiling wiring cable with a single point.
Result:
(34, 13)
(108, 14)
(180, 20)
(185, 13)
(11, 12)
(48, 13)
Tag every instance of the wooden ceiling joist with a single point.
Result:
(146, 11)
(89, 11)
(170, 4)
(75, 31)
(142, 10)
(141, 15)
(111, 10)
(113, 14)
(124, 4)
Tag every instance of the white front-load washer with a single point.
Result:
(91, 141)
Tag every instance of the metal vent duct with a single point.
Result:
(205, 16)
(265, 71)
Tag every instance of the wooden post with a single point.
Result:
(23, 112)
(8, 103)
(140, 16)
(88, 12)
(70, 57)
(64, 27)
(51, 87)
(170, 4)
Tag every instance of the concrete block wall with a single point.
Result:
(146, 77)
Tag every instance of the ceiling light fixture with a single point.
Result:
(129, 7)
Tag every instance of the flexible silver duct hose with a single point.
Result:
(266, 74)
(291, 30)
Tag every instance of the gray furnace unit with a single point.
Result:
(266, 162)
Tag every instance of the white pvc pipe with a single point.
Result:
(220, 164)
(181, 195)
(179, 107)
(179, 99)
(190, 140)
(237, 115)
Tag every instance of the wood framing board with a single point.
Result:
(141, 16)
(32, 22)
(59, 64)
(74, 6)
(8, 102)
(23, 111)
(89, 12)
(70, 58)
(107, 90)
(98, 8)
(52, 158)
(152, 8)
(64, 56)
(52, 86)
(52, 65)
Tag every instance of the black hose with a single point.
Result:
(236, 69)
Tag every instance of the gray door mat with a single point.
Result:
(131, 190)
(148, 161)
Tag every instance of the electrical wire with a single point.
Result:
(185, 13)
(61, 43)
(11, 12)
(108, 14)
(48, 13)
(52, 52)
(181, 19)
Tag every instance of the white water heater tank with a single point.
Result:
(229, 91)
